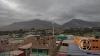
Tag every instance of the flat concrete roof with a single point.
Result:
(58, 42)
(11, 53)
(67, 41)
(26, 46)
(63, 49)
(16, 52)
(16, 41)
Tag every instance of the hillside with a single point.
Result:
(74, 23)
(28, 25)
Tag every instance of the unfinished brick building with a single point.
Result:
(41, 45)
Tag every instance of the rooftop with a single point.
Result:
(63, 49)
(17, 52)
(67, 41)
(26, 46)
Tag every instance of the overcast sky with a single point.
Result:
(52, 10)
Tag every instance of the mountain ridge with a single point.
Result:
(80, 23)
(42, 24)
(28, 25)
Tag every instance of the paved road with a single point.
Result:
(74, 50)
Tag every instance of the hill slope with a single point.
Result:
(28, 25)
(74, 23)
(38, 24)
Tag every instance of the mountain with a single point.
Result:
(75, 23)
(41, 24)
(28, 25)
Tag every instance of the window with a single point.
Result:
(89, 48)
(96, 47)
(44, 43)
(40, 51)
(38, 38)
(65, 44)
(84, 42)
(1, 41)
(47, 38)
(93, 46)
(84, 48)
(93, 40)
(96, 40)
(34, 50)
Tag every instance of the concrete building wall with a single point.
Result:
(88, 43)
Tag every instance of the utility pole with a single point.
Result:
(53, 28)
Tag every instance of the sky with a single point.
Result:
(59, 11)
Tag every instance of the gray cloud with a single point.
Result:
(60, 10)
